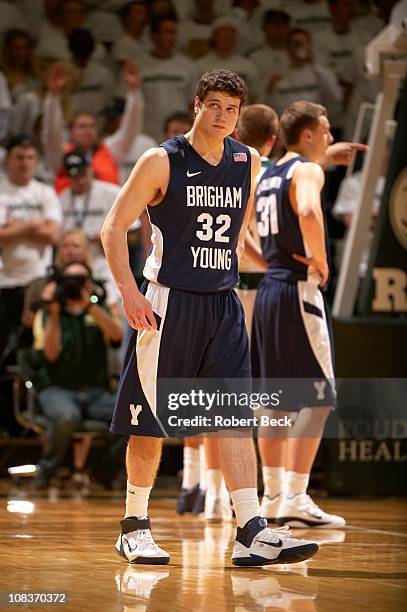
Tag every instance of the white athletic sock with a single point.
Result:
(296, 483)
(202, 467)
(274, 480)
(246, 505)
(214, 479)
(190, 476)
(137, 500)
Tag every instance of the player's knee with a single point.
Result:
(143, 446)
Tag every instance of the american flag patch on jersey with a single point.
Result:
(240, 157)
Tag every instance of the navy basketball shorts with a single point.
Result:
(199, 336)
(292, 339)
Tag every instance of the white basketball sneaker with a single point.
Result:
(257, 544)
(136, 545)
(217, 509)
(270, 507)
(301, 511)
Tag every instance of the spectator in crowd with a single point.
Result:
(195, 33)
(224, 41)
(273, 57)
(10, 17)
(250, 35)
(53, 35)
(30, 218)
(73, 246)
(177, 123)
(310, 15)
(161, 8)
(103, 20)
(304, 79)
(368, 23)
(85, 204)
(134, 42)
(168, 77)
(22, 79)
(348, 201)
(5, 107)
(93, 85)
(106, 159)
(72, 332)
(336, 47)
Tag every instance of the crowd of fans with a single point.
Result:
(86, 86)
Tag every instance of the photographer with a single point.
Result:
(73, 331)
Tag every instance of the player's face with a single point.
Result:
(218, 114)
(84, 131)
(321, 138)
(21, 164)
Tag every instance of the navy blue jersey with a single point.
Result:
(196, 226)
(278, 225)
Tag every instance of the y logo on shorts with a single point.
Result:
(320, 389)
(135, 411)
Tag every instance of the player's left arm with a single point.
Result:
(255, 169)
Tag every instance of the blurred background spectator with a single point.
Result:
(30, 221)
(168, 77)
(135, 41)
(106, 159)
(223, 55)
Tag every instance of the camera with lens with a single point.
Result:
(70, 286)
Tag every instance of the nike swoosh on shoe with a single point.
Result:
(276, 545)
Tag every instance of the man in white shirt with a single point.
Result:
(94, 85)
(54, 32)
(134, 41)
(250, 34)
(168, 77)
(30, 218)
(310, 15)
(337, 48)
(224, 43)
(304, 79)
(85, 205)
(272, 58)
(195, 33)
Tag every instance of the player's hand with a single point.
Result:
(139, 311)
(320, 266)
(342, 153)
(57, 78)
(131, 75)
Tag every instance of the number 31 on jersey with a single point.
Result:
(268, 222)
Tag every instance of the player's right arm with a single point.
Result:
(146, 185)
(305, 197)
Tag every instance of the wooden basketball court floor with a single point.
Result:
(65, 545)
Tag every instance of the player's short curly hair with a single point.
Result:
(222, 80)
